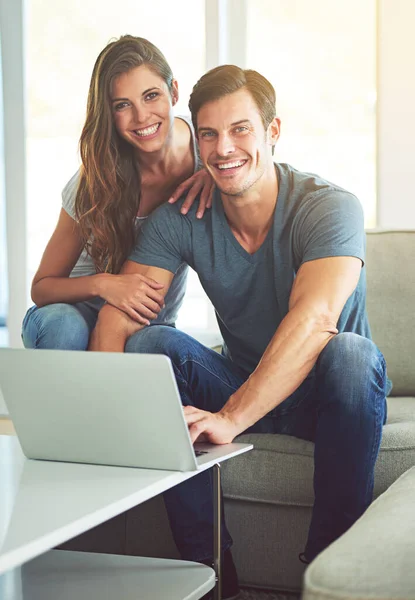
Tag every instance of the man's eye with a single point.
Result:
(241, 129)
(120, 106)
(206, 134)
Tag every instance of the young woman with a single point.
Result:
(135, 156)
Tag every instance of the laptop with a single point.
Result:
(101, 408)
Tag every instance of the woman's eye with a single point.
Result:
(151, 96)
(120, 106)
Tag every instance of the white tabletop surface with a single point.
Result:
(80, 575)
(44, 503)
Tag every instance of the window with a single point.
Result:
(321, 58)
(64, 40)
(3, 254)
(3, 249)
(3, 269)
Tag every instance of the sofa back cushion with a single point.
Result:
(390, 265)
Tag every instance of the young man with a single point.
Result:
(280, 255)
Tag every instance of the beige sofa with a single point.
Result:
(375, 558)
(269, 491)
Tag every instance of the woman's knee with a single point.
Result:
(55, 326)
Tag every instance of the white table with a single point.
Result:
(43, 504)
(65, 575)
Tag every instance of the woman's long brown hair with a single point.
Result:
(108, 195)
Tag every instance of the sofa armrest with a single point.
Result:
(375, 558)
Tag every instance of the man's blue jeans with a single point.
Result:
(341, 407)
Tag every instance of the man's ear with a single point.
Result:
(174, 92)
(273, 131)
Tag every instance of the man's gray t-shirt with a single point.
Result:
(313, 219)
(85, 265)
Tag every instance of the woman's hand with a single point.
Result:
(199, 182)
(134, 294)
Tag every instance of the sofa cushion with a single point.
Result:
(374, 558)
(390, 303)
(280, 468)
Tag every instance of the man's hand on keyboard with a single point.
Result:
(210, 427)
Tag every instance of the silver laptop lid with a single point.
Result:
(96, 407)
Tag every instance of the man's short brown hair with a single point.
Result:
(227, 79)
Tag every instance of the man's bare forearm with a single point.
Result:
(287, 361)
(112, 330)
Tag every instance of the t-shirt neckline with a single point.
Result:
(257, 255)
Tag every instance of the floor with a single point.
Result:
(251, 594)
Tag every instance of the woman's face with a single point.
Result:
(142, 108)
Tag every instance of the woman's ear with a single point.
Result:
(174, 92)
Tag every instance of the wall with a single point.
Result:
(12, 53)
(396, 114)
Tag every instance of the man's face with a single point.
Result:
(233, 142)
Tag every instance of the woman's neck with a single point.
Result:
(162, 173)
(166, 161)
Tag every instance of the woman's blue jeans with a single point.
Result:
(59, 326)
(341, 407)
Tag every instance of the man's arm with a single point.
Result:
(114, 326)
(319, 294)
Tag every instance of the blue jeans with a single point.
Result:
(341, 407)
(59, 326)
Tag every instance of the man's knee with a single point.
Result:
(350, 352)
(155, 339)
(352, 366)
